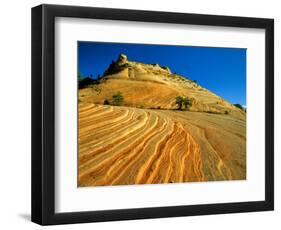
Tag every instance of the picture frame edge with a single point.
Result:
(43, 138)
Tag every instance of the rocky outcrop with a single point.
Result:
(134, 68)
(122, 59)
(153, 86)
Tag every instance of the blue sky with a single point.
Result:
(220, 70)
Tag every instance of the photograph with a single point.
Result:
(142, 113)
(156, 114)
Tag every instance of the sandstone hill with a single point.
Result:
(152, 86)
(147, 140)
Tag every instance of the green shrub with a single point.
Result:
(179, 102)
(187, 102)
(118, 99)
(239, 106)
(183, 102)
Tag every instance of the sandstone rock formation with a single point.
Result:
(147, 140)
(154, 86)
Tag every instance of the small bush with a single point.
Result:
(179, 102)
(183, 102)
(226, 112)
(86, 82)
(239, 106)
(187, 103)
(106, 102)
(118, 99)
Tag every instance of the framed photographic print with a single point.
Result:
(142, 114)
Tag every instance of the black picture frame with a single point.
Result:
(43, 114)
